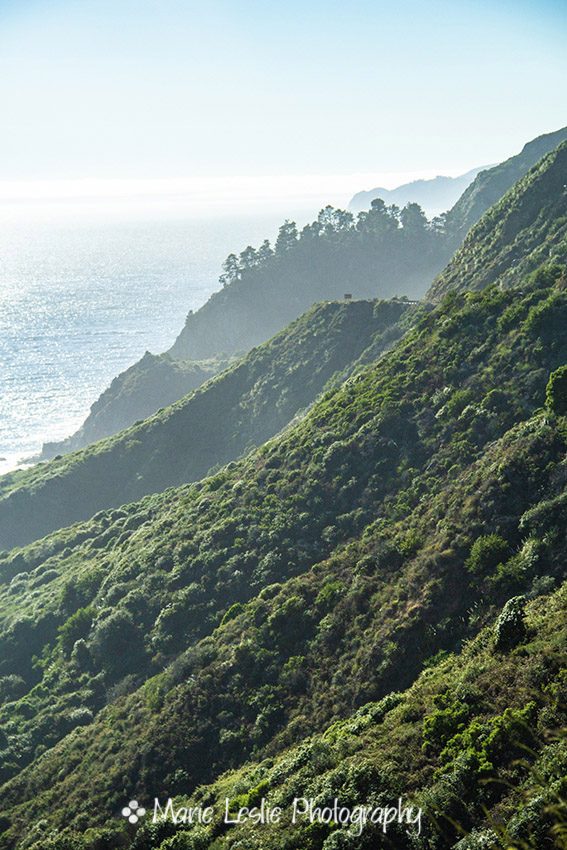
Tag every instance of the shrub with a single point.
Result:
(510, 628)
(489, 744)
(11, 687)
(449, 718)
(232, 612)
(556, 392)
(117, 643)
(81, 657)
(77, 627)
(486, 554)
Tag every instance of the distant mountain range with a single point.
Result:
(435, 196)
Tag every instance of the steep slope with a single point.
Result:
(243, 406)
(153, 382)
(490, 185)
(480, 723)
(307, 580)
(435, 196)
(526, 228)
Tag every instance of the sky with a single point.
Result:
(132, 98)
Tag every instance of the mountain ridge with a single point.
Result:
(242, 406)
(490, 186)
(524, 230)
(435, 195)
(257, 302)
(367, 606)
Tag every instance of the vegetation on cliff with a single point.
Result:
(153, 382)
(523, 231)
(229, 620)
(242, 407)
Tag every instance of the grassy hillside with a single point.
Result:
(490, 185)
(242, 407)
(474, 743)
(156, 646)
(527, 228)
(153, 382)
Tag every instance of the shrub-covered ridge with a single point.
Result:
(312, 577)
(241, 407)
(526, 229)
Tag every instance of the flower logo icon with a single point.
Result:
(133, 811)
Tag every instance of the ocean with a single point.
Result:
(81, 300)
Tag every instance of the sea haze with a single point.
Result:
(80, 301)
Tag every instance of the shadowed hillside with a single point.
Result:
(383, 252)
(153, 382)
(244, 406)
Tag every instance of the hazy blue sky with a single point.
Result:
(170, 88)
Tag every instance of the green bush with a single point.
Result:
(449, 717)
(77, 627)
(486, 554)
(488, 744)
(556, 392)
(117, 643)
(510, 628)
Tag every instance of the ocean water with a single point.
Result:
(82, 300)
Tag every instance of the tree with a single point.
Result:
(413, 219)
(331, 220)
(556, 392)
(231, 270)
(265, 252)
(248, 258)
(287, 237)
(380, 219)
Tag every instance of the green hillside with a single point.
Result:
(255, 399)
(380, 254)
(408, 743)
(153, 382)
(490, 185)
(527, 228)
(372, 548)
(242, 407)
